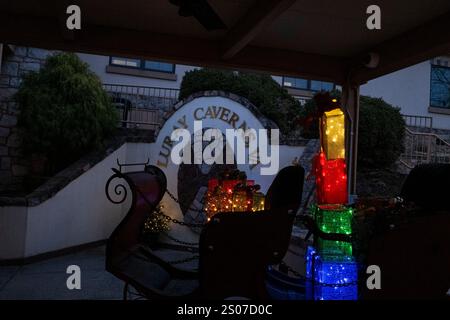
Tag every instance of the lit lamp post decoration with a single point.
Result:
(330, 266)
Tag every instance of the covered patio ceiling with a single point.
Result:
(320, 39)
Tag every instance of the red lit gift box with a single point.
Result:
(331, 180)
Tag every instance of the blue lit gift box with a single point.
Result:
(331, 277)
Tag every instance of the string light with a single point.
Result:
(156, 222)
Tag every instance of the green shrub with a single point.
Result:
(381, 131)
(64, 111)
(265, 93)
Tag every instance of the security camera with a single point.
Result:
(371, 60)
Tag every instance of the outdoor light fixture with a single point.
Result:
(333, 134)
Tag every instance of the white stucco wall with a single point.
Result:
(80, 213)
(408, 89)
(98, 65)
(13, 231)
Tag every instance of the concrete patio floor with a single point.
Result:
(47, 279)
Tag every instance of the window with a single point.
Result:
(125, 62)
(440, 87)
(321, 85)
(143, 64)
(159, 66)
(295, 83)
(304, 84)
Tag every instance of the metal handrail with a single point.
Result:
(428, 134)
(141, 105)
(135, 86)
(418, 121)
(424, 147)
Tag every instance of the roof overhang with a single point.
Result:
(321, 39)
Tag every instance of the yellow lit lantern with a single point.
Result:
(333, 134)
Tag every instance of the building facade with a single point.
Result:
(419, 90)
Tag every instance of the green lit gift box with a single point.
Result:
(331, 247)
(333, 219)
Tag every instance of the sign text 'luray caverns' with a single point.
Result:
(178, 146)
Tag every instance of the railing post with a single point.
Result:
(429, 149)
(350, 101)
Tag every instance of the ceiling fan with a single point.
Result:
(200, 10)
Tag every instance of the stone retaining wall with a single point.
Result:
(17, 61)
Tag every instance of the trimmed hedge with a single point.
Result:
(265, 93)
(381, 133)
(64, 111)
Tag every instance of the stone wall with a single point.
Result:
(16, 62)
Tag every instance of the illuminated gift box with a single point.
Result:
(219, 196)
(331, 180)
(348, 292)
(213, 184)
(332, 131)
(331, 247)
(333, 218)
(232, 195)
(242, 200)
(341, 271)
(309, 259)
(330, 277)
(229, 185)
(258, 201)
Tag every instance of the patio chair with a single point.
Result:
(235, 248)
(414, 255)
